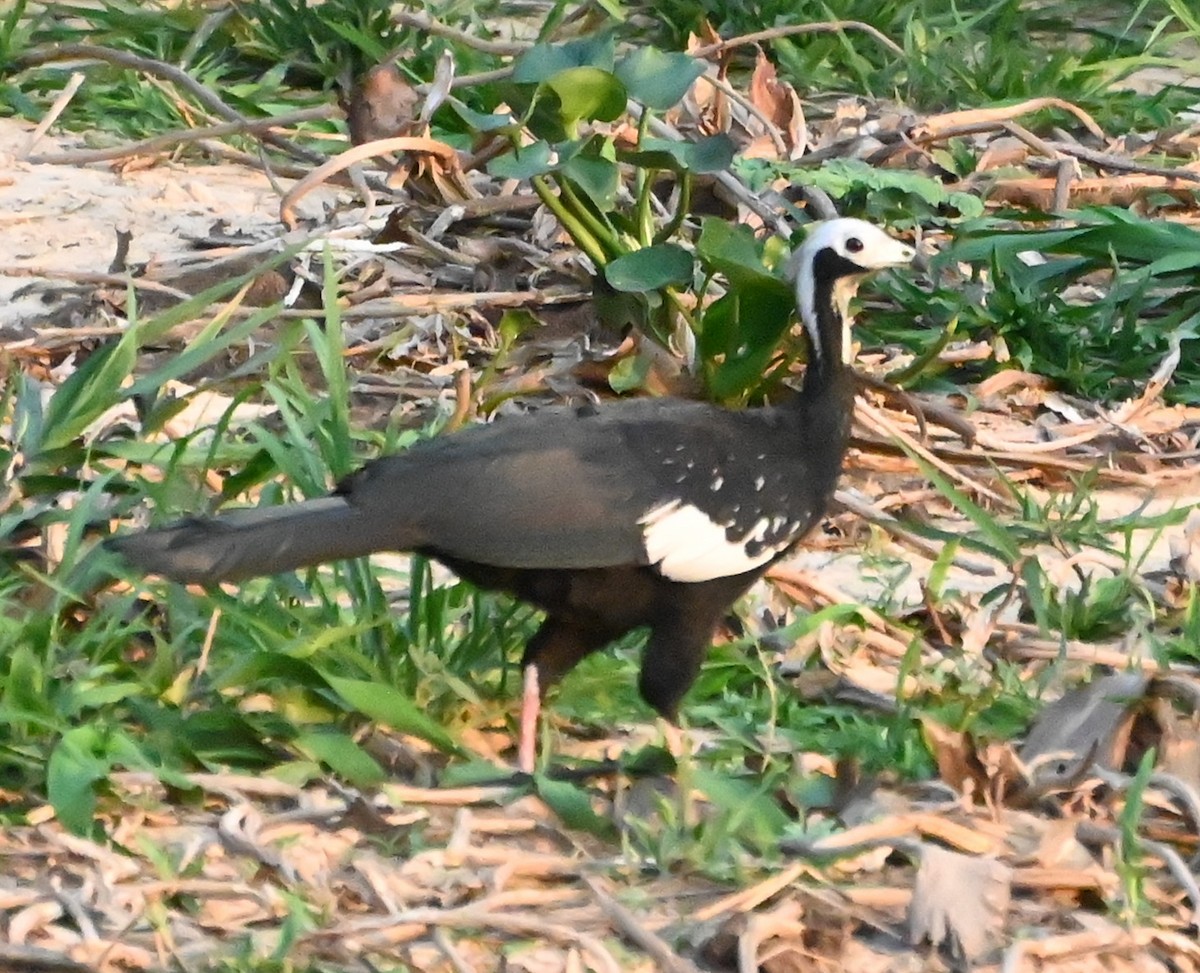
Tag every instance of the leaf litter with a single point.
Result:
(1014, 856)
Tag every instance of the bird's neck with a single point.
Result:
(826, 400)
(824, 300)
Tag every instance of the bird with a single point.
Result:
(642, 513)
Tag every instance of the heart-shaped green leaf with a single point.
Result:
(629, 373)
(480, 122)
(732, 250)
(656, 78)
(543, 61)
(712, 154)
(524, 162)
(740, 334)
(599, 179)
(587, 94)
(651, 268)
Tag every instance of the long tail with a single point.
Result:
(248, 543)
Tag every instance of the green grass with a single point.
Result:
(96, 677)
(272, 53)
(967, 54)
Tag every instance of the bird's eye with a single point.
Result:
(854, 244)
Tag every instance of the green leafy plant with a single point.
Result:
(14, 33)
(1135, 301)
(262, 56)
(96, 680)
(606, 193)
(320, 650)
(330, 42)
(978, 52)
(893, 196)
(1130, 863)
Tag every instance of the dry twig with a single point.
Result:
(35, 57)
(795, 30)
(171, 140)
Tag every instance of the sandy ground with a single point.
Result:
(65, 218)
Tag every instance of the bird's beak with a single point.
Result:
(897, 255)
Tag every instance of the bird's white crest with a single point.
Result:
(862, 244)
(685, 544)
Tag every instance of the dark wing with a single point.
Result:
(558, 489)
(696, 490)
(702, 490)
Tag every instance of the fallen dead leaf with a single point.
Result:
(959, 901)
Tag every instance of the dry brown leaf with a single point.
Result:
(778, 101)
(31, 920)
(848, 117)
(113, 957)
(1059, 847)
(446, 175)
(782, 922)
(1001, 153)
(240, 829)
(957, 760)
(959, 901)
(705, 103)
(978, 626)
(382, 105)
(56, 890)
(230, 914)
(1179, 746)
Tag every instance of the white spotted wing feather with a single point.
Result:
(684, 544)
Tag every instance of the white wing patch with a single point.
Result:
(685, 544)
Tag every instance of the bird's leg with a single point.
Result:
(553, 652)
(670, 665)
(531, 704)
(674, 738)
(679, 746)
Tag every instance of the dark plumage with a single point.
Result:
(654, 513)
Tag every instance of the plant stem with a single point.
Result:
(602, 231)
(578, 232)
(643, 185)
(672, 297)
(645, 218)
(903, 377)
(681, 209)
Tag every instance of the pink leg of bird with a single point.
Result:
(531, 704)
(679, 745)
(675, 739)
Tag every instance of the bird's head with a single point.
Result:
(829, 265)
